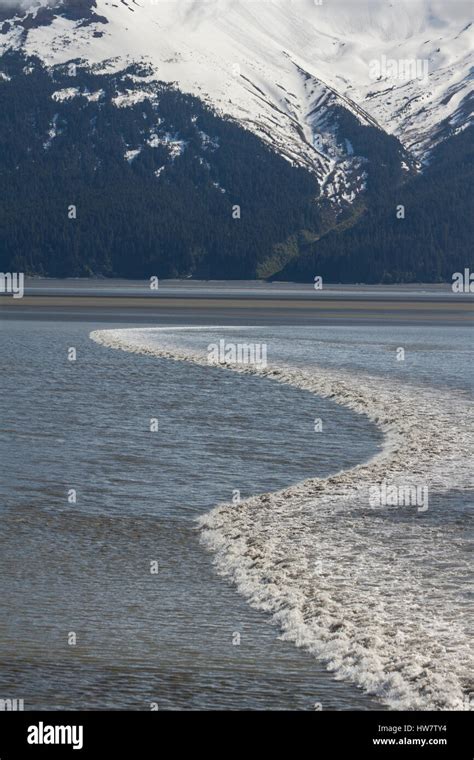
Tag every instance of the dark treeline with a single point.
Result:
(131, 223)
(135, 218)
(431, 242)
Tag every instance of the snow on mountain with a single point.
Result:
(280, 67)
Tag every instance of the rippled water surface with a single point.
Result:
(181, 637)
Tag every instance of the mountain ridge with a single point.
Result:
(230, 58)
(214, 50)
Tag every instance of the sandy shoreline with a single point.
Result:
(247, 310)
(201, 302)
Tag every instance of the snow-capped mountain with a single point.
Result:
(278, 66)
(355, 100)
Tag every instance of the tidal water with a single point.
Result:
(108, 597)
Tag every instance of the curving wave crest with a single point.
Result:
(378, 593)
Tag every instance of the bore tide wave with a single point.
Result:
(375, 590)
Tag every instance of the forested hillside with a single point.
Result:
(420, 231)
(108, 174)
(155, 184)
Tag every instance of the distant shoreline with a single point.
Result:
(207, 302)
(238, 306)
(40, 284)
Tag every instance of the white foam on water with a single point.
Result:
(379, 594)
